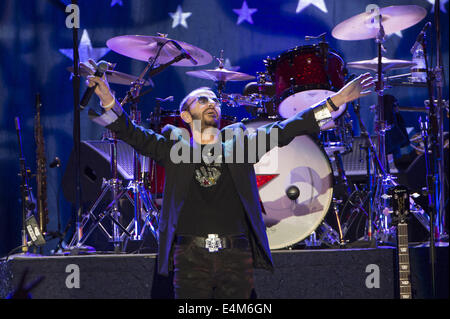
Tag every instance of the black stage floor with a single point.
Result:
(366, 273)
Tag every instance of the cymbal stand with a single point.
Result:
(142, 199)
(220, 85)
(434, 158)
(439, 76)
(383, 180)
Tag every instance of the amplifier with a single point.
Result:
(355, 162)
(96, 165)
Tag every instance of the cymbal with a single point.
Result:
(365, 25)
(220, 75)
(112, 76)
(387, 64)
(142, 48)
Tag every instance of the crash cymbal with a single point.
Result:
(112, 76)
(142, 48)
(365, 25)
(387, 64)
(220, 75)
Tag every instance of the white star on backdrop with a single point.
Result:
(320, 4)
(245, 13)
(227, 65)
(179, 17)
(114, 2)
(85, 50)
(442, 5)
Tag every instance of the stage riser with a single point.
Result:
(299, 274)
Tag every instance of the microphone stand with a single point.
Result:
(28, 206)
(432, 163)
(76, 135)
(439, 78)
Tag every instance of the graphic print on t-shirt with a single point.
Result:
(208, 172)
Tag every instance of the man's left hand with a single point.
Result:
(359, 87)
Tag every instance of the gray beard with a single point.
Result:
(206, 122)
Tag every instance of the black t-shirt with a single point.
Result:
(212, 204)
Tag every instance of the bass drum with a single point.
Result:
(301, 165)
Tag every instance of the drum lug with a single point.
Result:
(292, 82)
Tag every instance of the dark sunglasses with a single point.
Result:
(204, 100)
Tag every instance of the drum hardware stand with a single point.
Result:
(114, 186)
(336, 203)
(342, 180)
(143, 201)
(356, 208)
(376, 180)
(324, 234)
(435, 165)
(383, 179)
(27, 198)
(323, 45)
(261, 80)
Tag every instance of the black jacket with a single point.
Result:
(178, 176)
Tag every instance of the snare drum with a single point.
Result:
(304, 76)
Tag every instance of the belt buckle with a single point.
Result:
(213, 243)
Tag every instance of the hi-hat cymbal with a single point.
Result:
(387, 64)
(365, 25)
(142, 48)
(220, 75)
(112, 76)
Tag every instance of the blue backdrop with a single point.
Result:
(35, 51)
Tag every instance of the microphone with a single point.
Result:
(186, 54)
(102, 67)
(420, 37)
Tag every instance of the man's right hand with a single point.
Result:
(102, 90)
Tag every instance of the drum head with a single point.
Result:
(300, 101)
(301, 164)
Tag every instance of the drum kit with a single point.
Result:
(299, 193)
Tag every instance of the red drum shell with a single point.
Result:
(303, 76)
